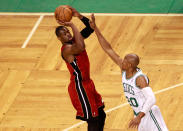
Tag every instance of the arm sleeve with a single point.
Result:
(150, 99)
(87, 31)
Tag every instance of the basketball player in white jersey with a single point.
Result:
(136, 88)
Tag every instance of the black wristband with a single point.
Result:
(85, 20)
(86, 32)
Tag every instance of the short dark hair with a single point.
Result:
(58, 29)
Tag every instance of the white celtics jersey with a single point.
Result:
(132, 92)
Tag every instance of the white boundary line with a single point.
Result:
(124, 104)
(97, 14)
(32, 32)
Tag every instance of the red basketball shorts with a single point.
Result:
(85, 99)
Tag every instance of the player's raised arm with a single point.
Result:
(78, 45)
(78, 37)
(87, 31)
(105, 44)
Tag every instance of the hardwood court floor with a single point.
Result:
(33, 80)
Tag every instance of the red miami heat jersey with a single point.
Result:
(81, 65)
(85, 99)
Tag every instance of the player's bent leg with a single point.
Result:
(101, 118)
(93, 125)
(158, 118)
(153, 121)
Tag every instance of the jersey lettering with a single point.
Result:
(128, 88)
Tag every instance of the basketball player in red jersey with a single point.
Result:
(85, 99)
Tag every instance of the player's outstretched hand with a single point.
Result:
(75, 13)
(92, 21)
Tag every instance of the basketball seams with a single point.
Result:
(63, 13)
(67, 14)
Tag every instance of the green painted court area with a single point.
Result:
(96, 6)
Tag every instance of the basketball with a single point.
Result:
(63, 13)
